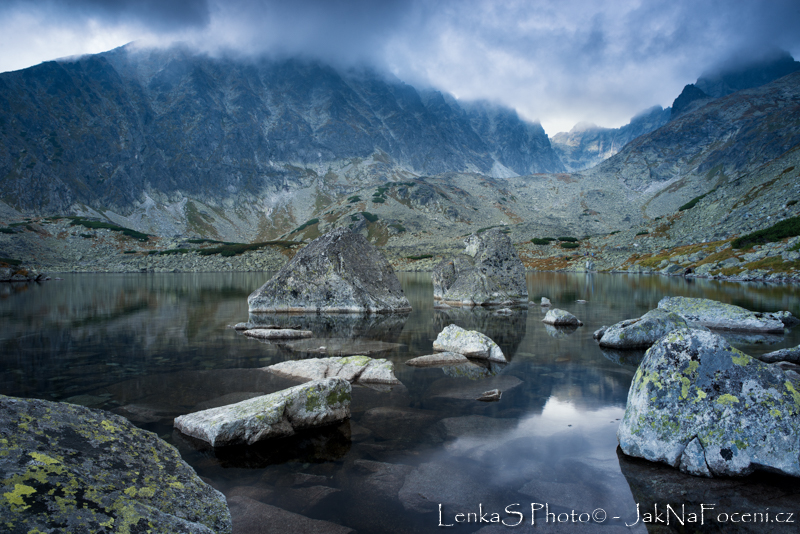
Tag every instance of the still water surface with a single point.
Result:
(152, 347)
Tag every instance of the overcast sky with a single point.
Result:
(559, 61)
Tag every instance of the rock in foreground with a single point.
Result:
(65, 468)
(279, 414)
(488, 273)
(338, 272)
(702, 406)
(721, 316)
(469, 343)
(641, 332)
(557, 317)
(354, 369)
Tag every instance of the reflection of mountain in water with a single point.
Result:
(380, 327)
(505, 330)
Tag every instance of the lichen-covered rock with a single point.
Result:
(558, 317)
(66, 468)
(488, 273)
(641, 332)
(791, 355)
(354, 369)
(469, 343)
(702, 406)
(438, 359)
(721, 316)
(338, 272)
(278, 414)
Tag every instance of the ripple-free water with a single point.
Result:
(154, 346)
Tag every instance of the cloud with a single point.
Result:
(558, 62)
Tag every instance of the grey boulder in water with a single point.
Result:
(721, 316)
(642, 332)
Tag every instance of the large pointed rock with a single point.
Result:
(338, 272)
(721, 316)
(278, 414)
(702, 406)
(489, 272)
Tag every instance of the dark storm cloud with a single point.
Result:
(558, 61)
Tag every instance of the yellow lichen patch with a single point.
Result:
(39, 457)
(739, 357)
(727, 399)
(15, 497)
(700, 395)
(795, 395)
(108, 425)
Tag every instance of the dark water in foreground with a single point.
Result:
(151, 347)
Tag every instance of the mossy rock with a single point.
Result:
(66, 468)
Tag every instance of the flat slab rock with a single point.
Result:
(469, 343)
(316, 403)
(66, 468)
(338, 272)
(354, 369)
(721, 316)
(277, 333)
(642, 332)
(557, 317)
(438, 359)
(708, 409)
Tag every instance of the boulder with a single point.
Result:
(558, 317)
(469, 343)
(66, 468)
(493, 395)
(791, 355)
(277, 333)
(721, 316)
(278, 414)
(641, 332)
(354, 369)
(546, 302)
(439, 359)
(338, 272)
(708, 409)
(488, 273)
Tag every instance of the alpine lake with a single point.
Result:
(423, 456)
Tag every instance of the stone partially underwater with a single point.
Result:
(66, 468)
(279, 414)
(340, 272)
(488, 273)
(708, 409)
(642, 332)
(721, 316)
(357, 369)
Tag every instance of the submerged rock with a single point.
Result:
(254, 517)
(641, 332)
(338, 272)
(354, 369)
(558, 317)
(488, 273)
(721, 316)
(65, 468)
(469, 343)
(702, 406)
(278, 414)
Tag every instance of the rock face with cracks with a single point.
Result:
(338, 272)
(354, 369)
(721, 316)
(469, 343)
(488, 273)
(66, 468)
(641, 332)
(704, 407)
(279, 414)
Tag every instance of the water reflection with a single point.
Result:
(151, 347)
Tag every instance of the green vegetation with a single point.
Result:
(786, 228)
(303, 226)
(379, 196)
(569, 245)
(87, 236)
(503, 227)
(614, 232)
(371, 217)
(695, 200)
(7, 231)
(234, 249)
(643, 232)
(420, 257)
(353, 199)
(129, 252)
(542, 240)
(397, 226)
(791, 203)
(203, 240)
(569, 239)
(174, 251)
(11, 262)
(97, 225)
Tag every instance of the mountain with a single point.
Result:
(130, 128)
(586, 145)
(746, 74)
